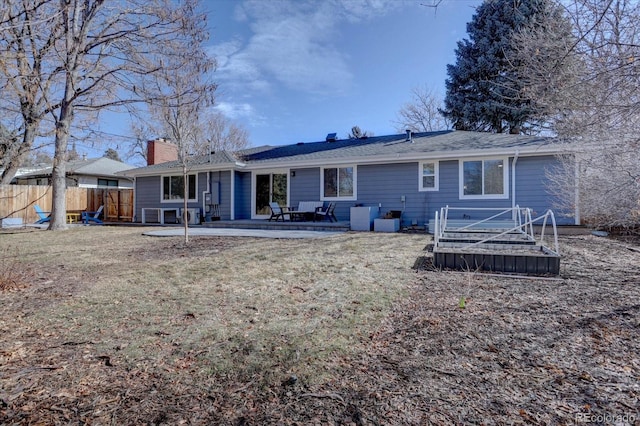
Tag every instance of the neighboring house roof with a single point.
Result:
(103, 167)
(432, 145)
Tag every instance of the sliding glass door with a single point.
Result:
(270, 187)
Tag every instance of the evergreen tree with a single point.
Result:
(357, 133)
(484, 91)
(112, 154)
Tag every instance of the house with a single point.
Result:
(85, 173)
(415, 174)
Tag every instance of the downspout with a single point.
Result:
(513, 184)
(135, 199)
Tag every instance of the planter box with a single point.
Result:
(386, 225)
(362, 218)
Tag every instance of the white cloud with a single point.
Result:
(296, 43)
(244, 112)
(235, 111)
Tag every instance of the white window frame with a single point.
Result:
(505, 179)
(177, 200)
(436, 175)
(338, 198)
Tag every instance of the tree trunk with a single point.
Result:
(59, 172)
(185, 221)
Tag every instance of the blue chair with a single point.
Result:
(92, 216)
(44, 216)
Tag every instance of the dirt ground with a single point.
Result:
(452, 348)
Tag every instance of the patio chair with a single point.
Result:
(92, 216)
(277, 212)
(322, 212)
(44, 216)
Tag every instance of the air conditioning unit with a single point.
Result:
(193, 216)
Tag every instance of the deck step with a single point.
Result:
(488, 247)
(493, 238)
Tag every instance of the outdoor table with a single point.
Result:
(73, 217)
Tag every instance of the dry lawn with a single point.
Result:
(102, 325)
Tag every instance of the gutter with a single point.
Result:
(397, 158)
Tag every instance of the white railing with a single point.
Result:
(521, 217)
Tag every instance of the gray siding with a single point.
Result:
(386, 183)
(532, 186)
(304, 186)
(377, 185)
(222, 179)
(243, 195)
(148, 195)
(449, 194)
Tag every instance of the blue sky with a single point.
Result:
(295, 70)
(292, 71)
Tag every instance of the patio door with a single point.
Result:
(269, 187)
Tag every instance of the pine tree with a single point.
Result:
(484, 91)
(112, 154)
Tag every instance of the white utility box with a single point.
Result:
(386, 225)
(362, 218)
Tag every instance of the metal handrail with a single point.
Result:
(525, 227)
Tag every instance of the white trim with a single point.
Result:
(254, 173)
(505, 179)
(352, 197)
(436, 174)
(177, 200)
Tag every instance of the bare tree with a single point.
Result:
(422, 112)
(592, 94)
(224, 135)
(179, 95)
(217, 132)
(98, 54)
(30, 33)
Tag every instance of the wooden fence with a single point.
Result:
(17, 201)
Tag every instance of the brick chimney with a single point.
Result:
(161, 151)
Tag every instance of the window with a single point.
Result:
(484, 178)
(173, 188)
(338, 183)
(107, 182)
(428, 176)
